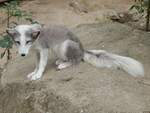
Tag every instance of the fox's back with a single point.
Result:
(54, 34)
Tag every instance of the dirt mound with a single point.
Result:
(33, 98)
(82, 88)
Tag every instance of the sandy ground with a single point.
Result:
(81, 11)
(82, 88)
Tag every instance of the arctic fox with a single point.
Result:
(68, 49)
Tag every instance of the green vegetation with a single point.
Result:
(140, 6)
(143, 7)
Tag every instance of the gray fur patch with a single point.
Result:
(74, 38)
(74, 54)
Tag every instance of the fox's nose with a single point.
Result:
(23, 55)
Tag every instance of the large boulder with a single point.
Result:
(82, 88)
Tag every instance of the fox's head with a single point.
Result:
(24, 36)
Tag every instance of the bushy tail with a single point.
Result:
(101, 58)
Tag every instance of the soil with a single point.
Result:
(81, 88)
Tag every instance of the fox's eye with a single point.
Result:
(28, 42)
(17, 42)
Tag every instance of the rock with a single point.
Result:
(122, 17)
(78, 7)
(82, 88)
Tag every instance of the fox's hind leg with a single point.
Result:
(71, 53)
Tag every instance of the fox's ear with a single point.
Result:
(35, 35)
(36, 29)
(11, 32)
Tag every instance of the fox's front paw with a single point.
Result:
(31, 74)
(34, 76)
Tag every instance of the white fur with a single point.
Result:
(23, 48)
(37, 74)
(109, 60)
